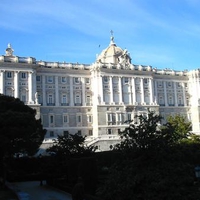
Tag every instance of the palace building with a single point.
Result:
(95, 100)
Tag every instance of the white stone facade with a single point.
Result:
(95, 100)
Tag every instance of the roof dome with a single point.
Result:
(112, 54)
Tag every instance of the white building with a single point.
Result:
(95, 100)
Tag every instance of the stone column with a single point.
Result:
(71, 92)
(175, 95)
(57, 99)
(120, 90)
(133, 91)
(142, 90)
(111, 90)
(184, 99)
(155, 92)
(151, 91)
(2, 85)
(83, 91)
(165, 93)
(100, 98)
(44, 98)
(16, 84)
(30, 87)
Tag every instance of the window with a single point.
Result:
(51, 119)
(79, 132)
(88, 100)
(66, 133)
(50, 79)
(179, 85)
(126, 80)
(160, 84)
(77, 99)
(64, 79)
(51, 134)
(9, 74)
(38, 78)
(87, 80)
(64, 98)
(109, 131)
(76, 80)
(111, 118)
(129, 116)
(169, 84)
(23, 97)
(105, 79)
(23, 75)
(50, 98)
(90, 132)
(78, 119)
(145, 81)
(65, 119)
(89, 118)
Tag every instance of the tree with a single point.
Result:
(20, 131)
(158, 162)
(145, 134)
(68, 145)
(179, 126)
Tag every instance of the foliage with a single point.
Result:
(153, 175)
(158, 162)
(143, 135)
(20, 132)
(68, 145)
(179, 126)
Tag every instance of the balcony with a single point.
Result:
(64, 104)
(50, 104)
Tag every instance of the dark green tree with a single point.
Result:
(70, 144)
(179, 128)
(145, 134)
(20, 131)
(157, 163)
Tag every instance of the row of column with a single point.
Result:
(120, 89)
(57, 98)
(31, 89)
(175, 93)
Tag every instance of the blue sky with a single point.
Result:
(160, 33)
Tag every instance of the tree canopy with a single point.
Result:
(157, 163)
(20, 131)
(67, 145)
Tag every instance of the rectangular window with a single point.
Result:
(65, 119)
(126, 80)
(50, 79)
(129, 116)
(87, 80)
(64, 98)
(105, 79)
(76, 80)
(77, 98)
(51, 119)
(78, 119)
(64, 79)
(51, 134)
(90, 118)
(9, 74)
(38, 78)
(145, 81)
(23, 75)
(50, 98)
(23, 98)
(79, 132)
(66, 133)
(90, 132)
(109, 131)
